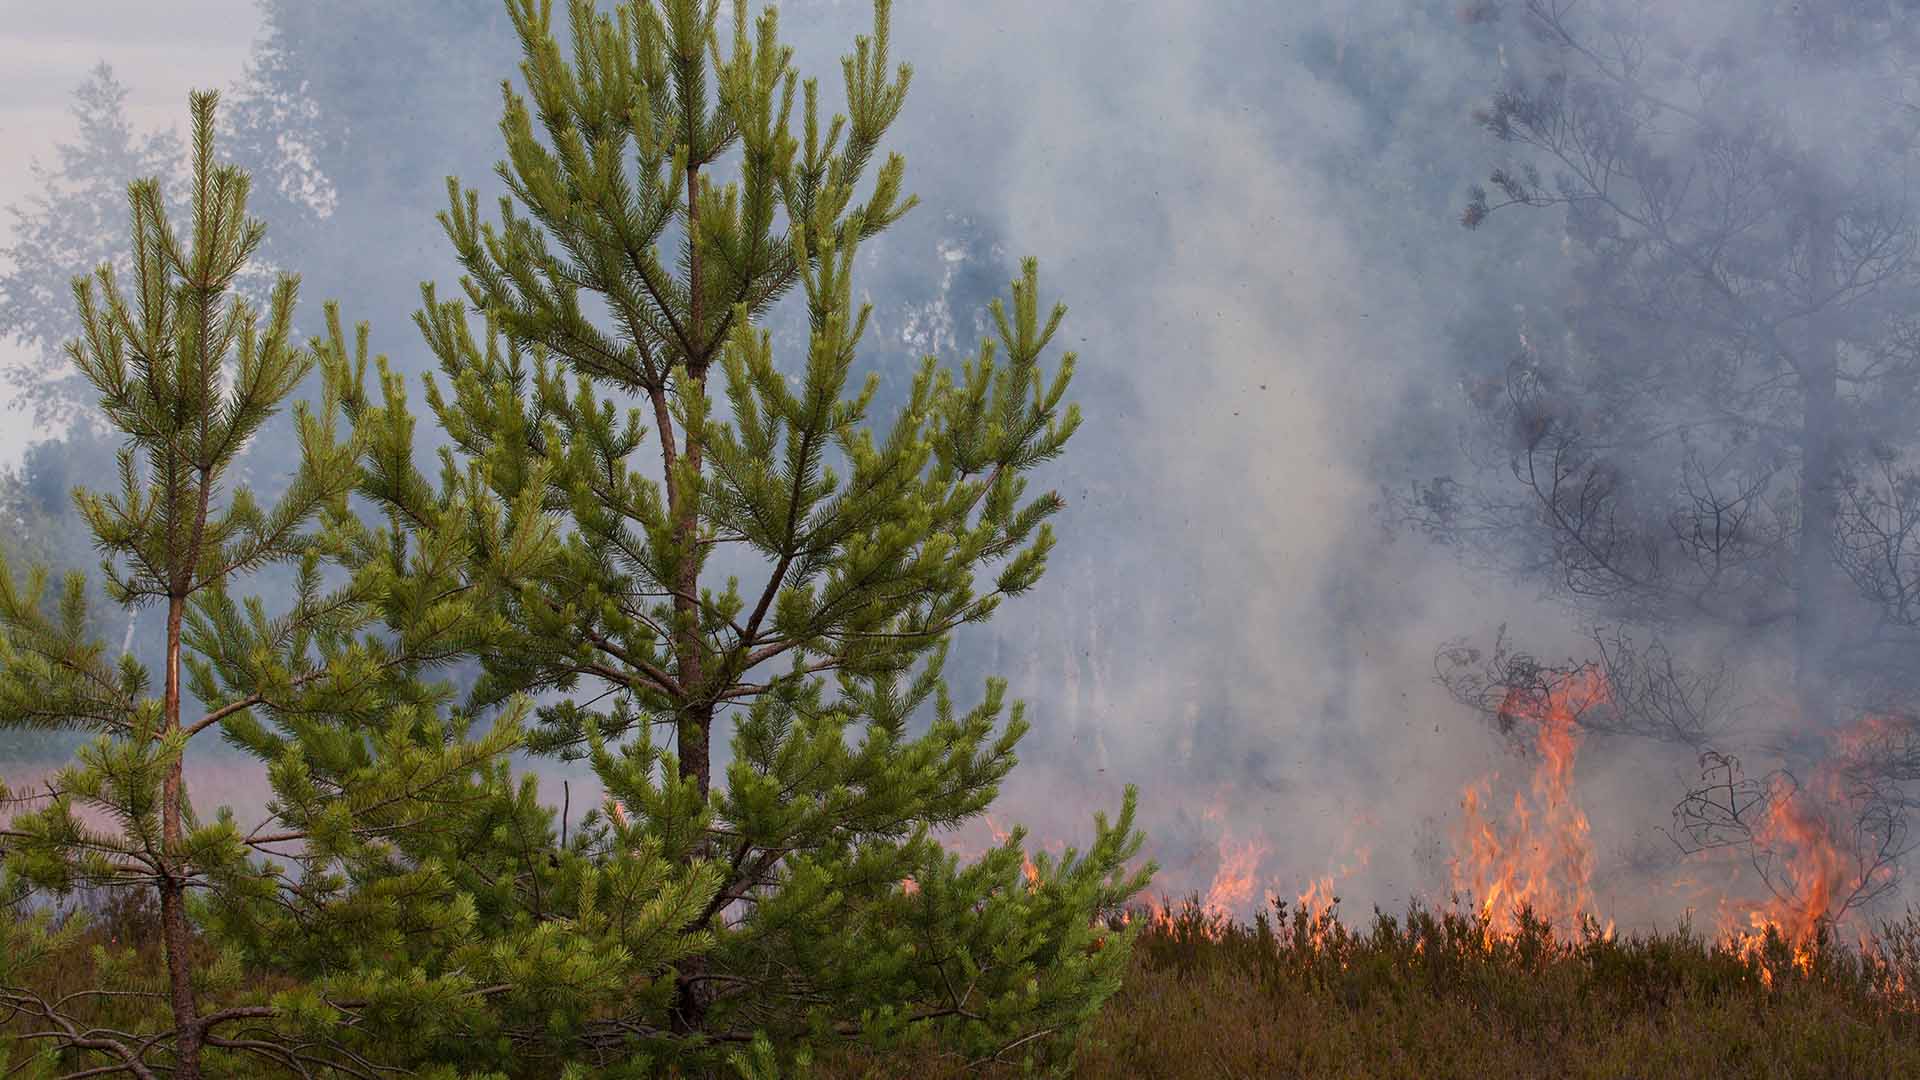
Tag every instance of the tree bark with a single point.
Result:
(694, 730)
(173, 911)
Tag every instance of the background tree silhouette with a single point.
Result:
(1708, 446)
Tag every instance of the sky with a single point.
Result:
(160, 52)
(1245, 245)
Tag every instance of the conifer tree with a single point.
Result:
(74, 222)
(823, 907)
(336, 894)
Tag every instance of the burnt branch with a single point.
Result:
(1649, 692)
(1821, 856)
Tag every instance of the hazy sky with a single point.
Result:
(160, 52)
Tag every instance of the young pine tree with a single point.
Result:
(329, 935)
(656, 429)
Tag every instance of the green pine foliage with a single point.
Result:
(334, 697)
(615, 466)
(628, 398)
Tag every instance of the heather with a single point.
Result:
(1436, 993)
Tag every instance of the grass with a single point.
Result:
(1435, 994)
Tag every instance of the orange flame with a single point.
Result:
(1026, 862)
(1233, 883)
(1536, 850)
(1543, 857)
(1318, 901)
(1813, 881)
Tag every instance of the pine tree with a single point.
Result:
(823, 907)
(333, 697)
(71, 224)
(66, 228)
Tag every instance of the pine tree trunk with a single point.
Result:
(689, 1012)
(173, 910)
(1815, 571)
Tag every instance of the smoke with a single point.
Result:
(1235, 233)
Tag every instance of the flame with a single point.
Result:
(1810, 877)
(1234, 880)
(1815, 867)
(1000, 836)
(1319, 899)
(1317, 902)
(1535, 850)
(1543, 857)
(1870, 731)
(1233, 884)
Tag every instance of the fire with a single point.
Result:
(1814, 869)
(1027, 868)
(1810, 875)
(1542, 857)
(1318, 901)
(1873, 730)
(1233, 884)
(1535, 850)
(1235, 880)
